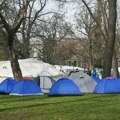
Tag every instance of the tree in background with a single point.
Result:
(33, 16)
(4, 55)
(20, 16)
(107, 64)
(11, 20)
(105, 24)
(19, 19)
(91, 31)
(51, 32)
(109, 36)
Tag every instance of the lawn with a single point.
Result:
(85, 107)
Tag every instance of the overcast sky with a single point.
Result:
(68, 9)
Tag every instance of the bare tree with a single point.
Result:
(11, 26)
(50, 31)
(91, 31)
(32, 19)
(107, 29)
(109, 36)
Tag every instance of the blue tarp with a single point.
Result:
(64, 86)
(7, 85)
(26, 87)
(108, 86)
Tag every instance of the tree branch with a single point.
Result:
(95, 19)
(19, 18)
(6, 25)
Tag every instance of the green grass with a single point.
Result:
(85, 107)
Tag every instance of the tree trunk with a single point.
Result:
(91, 54)
(14, 64)
(108, 54)
(115, 66)
(26, 45)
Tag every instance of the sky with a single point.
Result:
(68, 9)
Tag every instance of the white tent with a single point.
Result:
(29, 67)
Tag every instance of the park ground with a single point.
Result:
(84, 107)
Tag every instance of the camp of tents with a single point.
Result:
(42, 73)
(40, 78)
(78, 83)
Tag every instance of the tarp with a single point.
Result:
(29, 67)
(85, 83)
(64, 86)
(7, 85)
(108, 85)
(26, 87)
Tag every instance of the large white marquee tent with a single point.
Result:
(29, 67)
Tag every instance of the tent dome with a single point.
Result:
(26, 87)
(85, 83)
(64, 86)
(7, 85)
(45, 83)
(108, 86)
(96, 79)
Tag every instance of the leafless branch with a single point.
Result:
(94, 19)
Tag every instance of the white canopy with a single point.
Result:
(68, 68)
(29, 67)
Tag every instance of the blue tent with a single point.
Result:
(64, 86)
(96, 79)
(108, 86)
(26, 87)
(7, 85)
